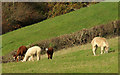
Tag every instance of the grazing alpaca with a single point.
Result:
(20, 52)
(49, 52)
(100, 42)
(31, 52)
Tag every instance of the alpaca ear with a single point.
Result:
(46, 49)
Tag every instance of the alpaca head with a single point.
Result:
(106, 49)
(14, 57)
(46, 49)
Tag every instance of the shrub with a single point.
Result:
(81, 37)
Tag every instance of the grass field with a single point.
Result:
(97, 14)
(77, 59)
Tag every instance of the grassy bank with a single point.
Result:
(101, 13)
(77, 59)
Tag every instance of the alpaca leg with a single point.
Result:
(17, 58)
(32, 57)
(102, 48)
(38, 56)
(48, 55)
(25, 58)
(94, 50)
(51, 56)
(29, 58)
(105, 50)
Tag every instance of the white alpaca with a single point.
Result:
(31, 52)
(100, 42)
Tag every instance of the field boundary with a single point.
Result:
(81, 37)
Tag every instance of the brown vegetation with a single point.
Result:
(21, 14)
(81, 37)
(78, 38)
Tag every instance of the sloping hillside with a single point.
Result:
(78, 59)
(21, 14)
(101, 13)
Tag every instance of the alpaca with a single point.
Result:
(31, 53)
(49, 52)
(20, 52)
(100, 42)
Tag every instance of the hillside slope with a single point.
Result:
(21, 14)
(101, 13)
(77, 59)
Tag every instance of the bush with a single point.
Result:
(81, 37)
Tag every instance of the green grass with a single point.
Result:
(97, 14)
(77, 59)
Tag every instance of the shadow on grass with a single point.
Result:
(111, 50)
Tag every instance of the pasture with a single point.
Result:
(78, 59)
(88, 17)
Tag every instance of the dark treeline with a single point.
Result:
(20, 14)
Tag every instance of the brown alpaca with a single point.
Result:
(49, 52)
(20, 52)
(100, 42)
